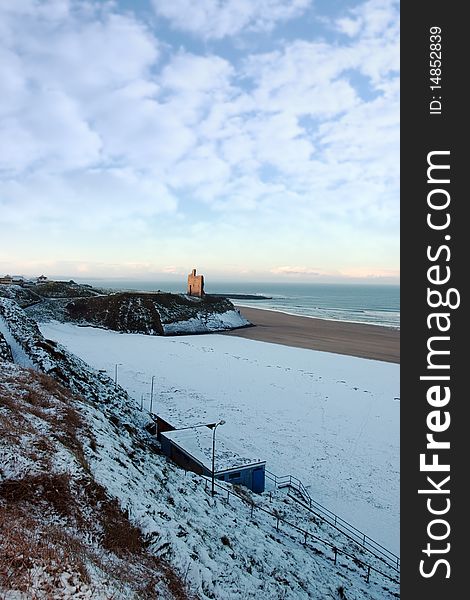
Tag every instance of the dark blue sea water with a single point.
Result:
(376, 304)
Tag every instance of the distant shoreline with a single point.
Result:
(362, 340)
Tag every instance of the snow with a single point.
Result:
(38, 443)
(206, 323)
(222, 549)
(19, 355)
(185, 527)
(198, 443)
(330, 420)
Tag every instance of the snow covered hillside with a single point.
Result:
(24, 296)
(330, 420)
(31, 294)
(212, 548)
(62, 535)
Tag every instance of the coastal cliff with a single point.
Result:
(151, 313)
(155, 313)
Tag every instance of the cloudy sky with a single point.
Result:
(254, 139)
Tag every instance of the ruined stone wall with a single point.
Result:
(195, 284)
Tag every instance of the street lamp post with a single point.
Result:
(214, 427)
(151, 394)
(116, 374)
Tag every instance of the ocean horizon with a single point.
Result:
(375, 304)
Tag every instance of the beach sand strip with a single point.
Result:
(353, 339)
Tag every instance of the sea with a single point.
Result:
(354, 303)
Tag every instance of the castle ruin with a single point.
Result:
(195, 284)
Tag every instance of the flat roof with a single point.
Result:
(175, 420)
(179, 421)
(197, 442)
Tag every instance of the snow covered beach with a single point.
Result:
(331, 420)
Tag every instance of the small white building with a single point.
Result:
(42, 279)
(7, 280)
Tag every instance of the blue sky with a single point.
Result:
(254, 140)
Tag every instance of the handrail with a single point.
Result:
(334, 520)
(391, 561)
(306, 534)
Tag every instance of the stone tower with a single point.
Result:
(195, 284)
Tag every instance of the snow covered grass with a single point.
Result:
(206, 322)
(214, 549)
(62, 535)
(331, 420)
(15, 349)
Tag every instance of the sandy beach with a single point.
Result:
(352, 339)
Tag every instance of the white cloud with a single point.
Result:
(364, 273)
(222, 18)
(189, 73)
(59, 67)
(348, 26)
(106, 125)
(376, 24)
(371, 18)
(172, 270)
(83, 200)
(300, 273)
(287, 270)
(52, 132)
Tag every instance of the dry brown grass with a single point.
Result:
(30, 543)
(49, 401)
(93, 528)
(51, 488)
(118, 534)
(39, 399)
(28, 547)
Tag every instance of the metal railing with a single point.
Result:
(334, 520)
(289, 481)
(305, 535)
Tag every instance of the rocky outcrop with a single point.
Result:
(152, 313)
(5, 350)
